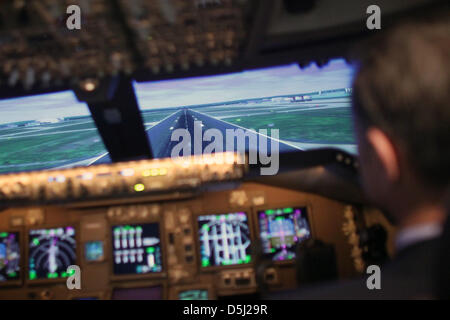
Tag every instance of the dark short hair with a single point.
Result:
(402, 86)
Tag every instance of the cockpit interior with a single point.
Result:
(183, 150)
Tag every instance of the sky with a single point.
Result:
(284, 80)
(41, 107)
(268, 82)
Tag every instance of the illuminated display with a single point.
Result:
(136, 249)
(277, 97)
(197, 294)
(9, 256)
(94, 251)
(224, 239)
(54, 124)
(51, 251)
(281, 230)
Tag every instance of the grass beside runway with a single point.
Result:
(42, 149)
(53, 145)
(155, 115)
(332, 125)
(57, 144)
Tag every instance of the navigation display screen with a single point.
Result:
(9, 256)
(136, 249)
(224, 239)
(51, 252)
(280, 231)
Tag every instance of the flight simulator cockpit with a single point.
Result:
(182, 150)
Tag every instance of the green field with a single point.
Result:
(48, 146)
(332, 125)
(57, 144)
(155, 116)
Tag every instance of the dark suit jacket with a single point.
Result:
(411, 275)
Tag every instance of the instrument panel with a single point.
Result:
(210, 246)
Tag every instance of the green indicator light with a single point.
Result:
(36, 241)
(138, 228)
(3, 234)
(64, 274)
(150, 250)
(248, 259)
(288, 210)
(12, 274)
(205, 262)
(270, 211)
(279, 219)
(240, 261)
(72, 272)
(32, 275)
(272, 250)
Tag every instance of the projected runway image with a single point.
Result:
(310, 108)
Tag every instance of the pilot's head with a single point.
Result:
(401, 104)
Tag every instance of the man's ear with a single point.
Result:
(385, 151)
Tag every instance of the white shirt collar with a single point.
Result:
(411, 235)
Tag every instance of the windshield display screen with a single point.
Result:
(300, 109)
(47, 132)
(310, 107)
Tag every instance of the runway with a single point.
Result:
(162, 146)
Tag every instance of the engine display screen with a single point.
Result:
(9, 256)
(224, 239)
(280, 231)
(51, 252)
(136, 249)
